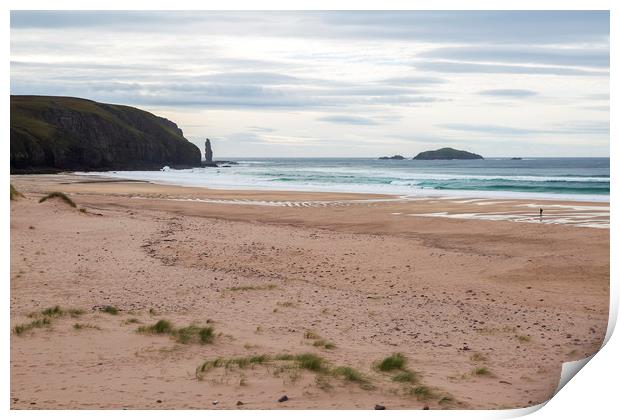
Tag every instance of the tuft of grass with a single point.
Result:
(112, 310)
(422, 392)
(252, 287)
(524, 338)
(53, 311)
(133, 321)
(325, 344)
(406, 376)
(160, 327)
(287, 304)
(75, 312)
(349, 374)
(481, 371)
(56, 194)
(37, 323)
(311, 362)
(85, 326)
(311, 335)
(185, 335)
(393, 362)
(15, 194)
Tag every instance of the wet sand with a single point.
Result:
(483, 298)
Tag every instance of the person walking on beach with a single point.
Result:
(541, 212)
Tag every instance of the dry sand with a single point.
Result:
(368, 274)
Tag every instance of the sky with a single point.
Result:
(336, 84)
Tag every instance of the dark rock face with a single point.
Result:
(447, 153)
(208, 152)
(51, 134)
(395, 157)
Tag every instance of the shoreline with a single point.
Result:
(589, 214)
(419, 193)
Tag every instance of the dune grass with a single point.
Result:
(325, 344)
(86, 326)
(396, 361)
(406, 376)
(57, 194)
(108, 309)
(185, 335)
(422, 392)
(160, 327)
(304, 361)
(57, 311)
(15, 194)
(37, 323)
(482, 371)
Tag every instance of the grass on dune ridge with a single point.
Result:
(57, 194)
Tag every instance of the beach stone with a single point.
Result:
(283, 398)
(379, 407)
(216, 402)
(239, 403)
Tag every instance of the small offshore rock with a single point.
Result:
(379, 407)
(283, 398)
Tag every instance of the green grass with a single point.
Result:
(422, 392)
(57, 311)
(325, 344)
(481, 371)
(112, 310)
(57, 194)
(85, 326)
(160, 327)
(406, 376)
(306, 361)
(203, 335)
(15, 194)
(349, 374)
(37, 323)
(185, 335)
(394, 362)
(53, 311)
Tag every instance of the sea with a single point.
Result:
(578, 179)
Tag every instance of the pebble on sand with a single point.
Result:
(379, 407)
(283, 398)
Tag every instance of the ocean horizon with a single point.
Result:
(575, 179)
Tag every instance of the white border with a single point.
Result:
(593, 394)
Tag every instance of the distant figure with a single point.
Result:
(541, 213)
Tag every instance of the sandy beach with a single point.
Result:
(483, 299)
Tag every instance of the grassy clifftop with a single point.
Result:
(51, 133)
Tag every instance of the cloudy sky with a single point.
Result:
(358, 84)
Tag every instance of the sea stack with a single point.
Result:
(208, 152)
